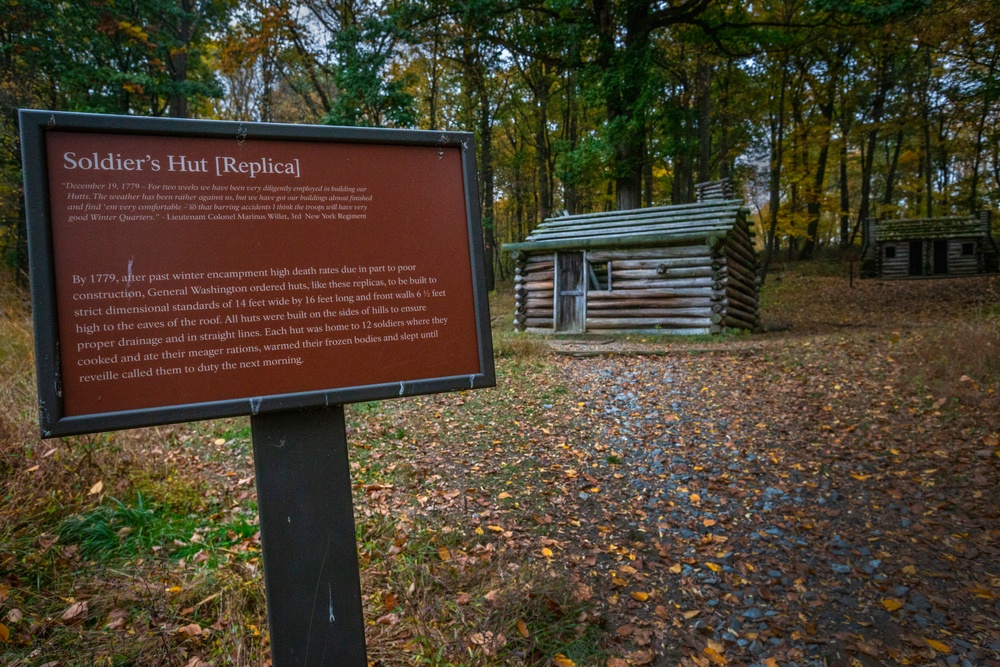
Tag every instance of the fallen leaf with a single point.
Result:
(76, 611)
(189, 630)
(640, 596)
(691, 614)
(522, 628)
(641, 657)
(15, 615)
(4, 633)
(96, 488)
(443, 553)
(547, 552)
(195, 661)
(676, 568)
(616, 662)
(713, 655)
(561, 660)
(938, 646)
(116, 619)
(714, 567)
(892, 604)
(708, 523)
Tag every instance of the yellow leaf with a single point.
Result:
(909, 569)
(695, 498)
(618, 581)
(714, 656)
(495, 529)
(4, 633)
(96, 488)
(676, 568)
(480, 531)
(504, 495)
(892, 604)
(547, 552)
(937, 646)
(714, 567)
(33, 468)
(859, 476)
(640, 596)
(691, 614)
(562, 661)
(522, 628)
(173, 590)
(443, 553)
(770, 662)
(708, 523)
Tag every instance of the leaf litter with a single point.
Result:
(785, 499)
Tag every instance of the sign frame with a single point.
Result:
(35, 125)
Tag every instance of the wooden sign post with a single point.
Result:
(187, 270)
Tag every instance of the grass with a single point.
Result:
(156, 531)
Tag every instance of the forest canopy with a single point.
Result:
(826, 112)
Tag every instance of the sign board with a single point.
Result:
(186, 270)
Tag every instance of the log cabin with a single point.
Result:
(684, 269)
(929, 247)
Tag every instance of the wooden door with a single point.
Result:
(940, 257)
(571, 293)
(916, 258)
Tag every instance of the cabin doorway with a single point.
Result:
(571, 293)
(940, 257)
(916, 258)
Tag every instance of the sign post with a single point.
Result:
(310, 555)
(187, 270)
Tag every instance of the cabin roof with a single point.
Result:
(904, 229)
(661, 225)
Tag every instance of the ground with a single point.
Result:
(825, 493)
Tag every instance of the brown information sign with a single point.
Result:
(196, 269)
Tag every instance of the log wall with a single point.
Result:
(534, 292)
(960, 264)
(897, 266)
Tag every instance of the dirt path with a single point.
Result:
(801, 515)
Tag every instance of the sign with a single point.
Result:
(187, 270)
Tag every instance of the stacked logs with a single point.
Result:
(534, 280)
(721, 189)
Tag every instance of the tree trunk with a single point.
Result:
(705, 73)
(980, 128)
(486, 179)
(777, 141)
(813, 206)
(890, 178)
(845, 199)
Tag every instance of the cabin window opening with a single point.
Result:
(599, 276)
(890, 252)
(968, 249)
